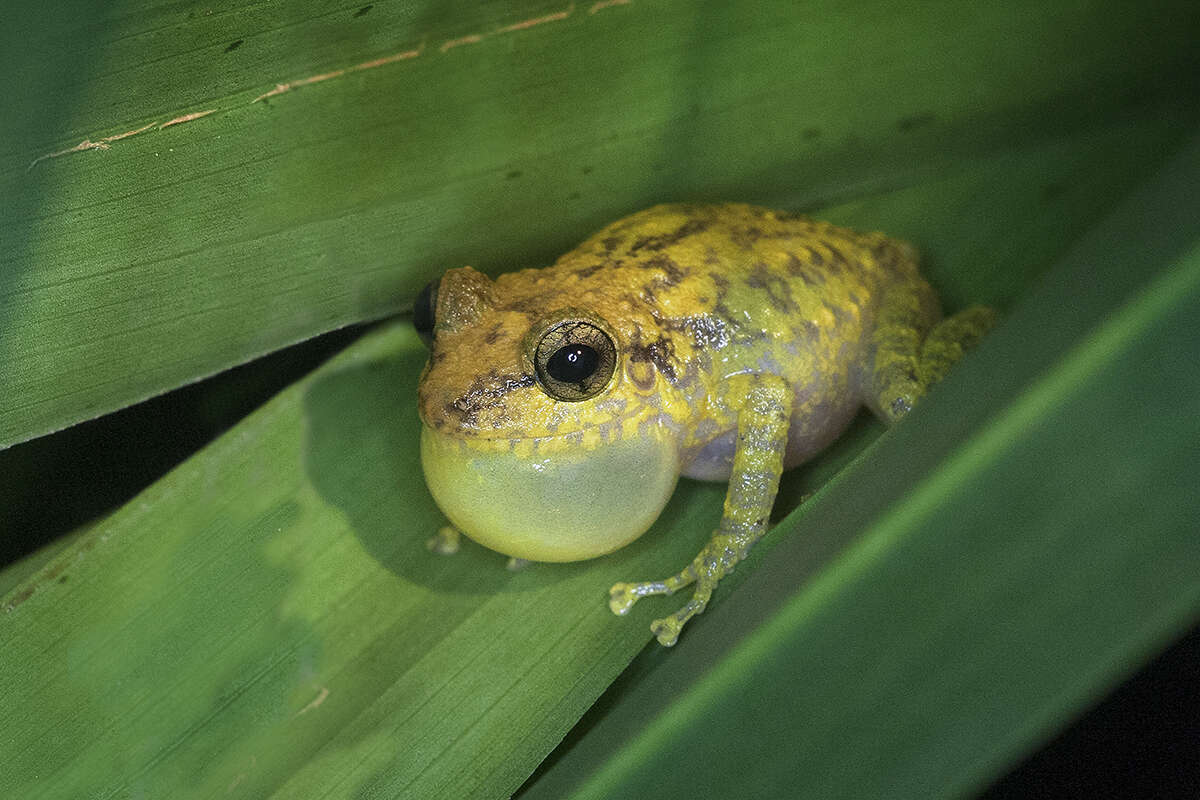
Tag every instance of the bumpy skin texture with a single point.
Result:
(745, 341)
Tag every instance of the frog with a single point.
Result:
(728, 342)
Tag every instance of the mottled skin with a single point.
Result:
(746, 340)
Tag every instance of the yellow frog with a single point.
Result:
(720, 342)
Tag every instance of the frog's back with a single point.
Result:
(739, 237)
(741, 278)
(737, 288)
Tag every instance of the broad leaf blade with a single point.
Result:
(170, 211)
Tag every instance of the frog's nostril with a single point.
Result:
(423, 312)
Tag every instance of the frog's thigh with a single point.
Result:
(949, 339)
(906, 312)
(912, 353)
(765, 409)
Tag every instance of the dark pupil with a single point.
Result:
(574, 363)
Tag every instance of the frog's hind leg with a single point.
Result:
(765, 408)
(912, 350)
(950, 339)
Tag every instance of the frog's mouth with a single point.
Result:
(554, 504)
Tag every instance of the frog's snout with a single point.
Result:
(559, 503)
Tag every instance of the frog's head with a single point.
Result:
(539, 438)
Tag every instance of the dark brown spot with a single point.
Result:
(514, 174)
(791, 216)
(915, 121)
(804, 270)
(672, 273)
(611, 243)
(779, 293)
(653, 243)
(658, 352)
(837, 259)
(746, 238)
(641, 373)
(483, 393)
(362, 12)
(234, 45)
(758, 277)
(494, 334)
(584, 273)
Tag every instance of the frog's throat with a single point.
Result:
(562, 503)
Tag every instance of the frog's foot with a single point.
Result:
(622, 596)
(667, 629)
(517, 564)
(445, 542)
(714, 562)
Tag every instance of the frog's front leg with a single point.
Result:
(764, 408)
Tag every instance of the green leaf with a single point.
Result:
(1020, 543)
(186, 187)
(265, 620)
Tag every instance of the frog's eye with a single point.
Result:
(575, 360)
(423, 312)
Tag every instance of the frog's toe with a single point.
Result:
(445, 542)
(667, 630)
(621, 598)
